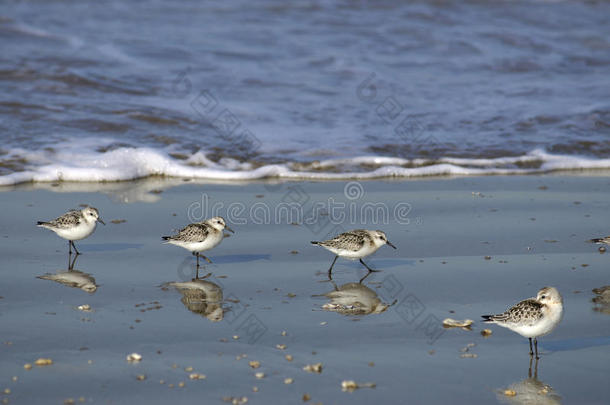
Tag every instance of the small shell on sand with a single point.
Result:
(235, 400)
(281, 347)
(288, 357)
(351, 385)
(259, 375)
(486, 332)
(469, 355)
(197, 376)
(313, 368)
(288, 380)
(141, 377)
(27, 366)
(43, 362)
(454, 323)
(134, 357)
(509, 393)
(85, 308)
(254, 363)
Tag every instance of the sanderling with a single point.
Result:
(74, 225)
(199, 237)
(354, 245)
(532, 317)
(601, 241)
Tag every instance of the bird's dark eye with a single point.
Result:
(543, 297)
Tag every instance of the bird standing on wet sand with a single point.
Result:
(74, 225)
(200, 236)
(533, 317)
(354, 245)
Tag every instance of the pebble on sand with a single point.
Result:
(134, 357)
(43, 362)
(313, 368)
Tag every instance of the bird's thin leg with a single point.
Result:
(531, 351)
(74, 246)
(197, 271)
(368, 268)
(330, 277)
(536, 346)
(536, 369)
(69, 248)
(529, 371)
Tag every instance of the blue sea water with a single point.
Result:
(115, 90)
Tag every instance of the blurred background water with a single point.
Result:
(155, 87)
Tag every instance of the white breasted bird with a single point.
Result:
(74, 225)
(354, 245)
(533, 317)
(199, 237)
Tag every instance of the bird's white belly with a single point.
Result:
(541, 328)
(77, 233)
(210, 242)
(350, 254)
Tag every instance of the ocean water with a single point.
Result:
(115, 90)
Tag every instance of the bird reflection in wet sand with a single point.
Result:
(354, 299)
(529, 391)
(72, 278)
(201, 297)
(602, 299)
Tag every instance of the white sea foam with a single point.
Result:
(82, 163)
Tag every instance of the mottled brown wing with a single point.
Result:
(352, 240)
(192, 233)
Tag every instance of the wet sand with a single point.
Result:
(267, 279)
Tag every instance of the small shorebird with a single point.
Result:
(601, 241)
(533, 317)
(74, 225)
(354, 245)
(199, 237)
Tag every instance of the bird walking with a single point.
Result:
(74, 225)
(533, 317)
(354, 245)
(199, 237)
